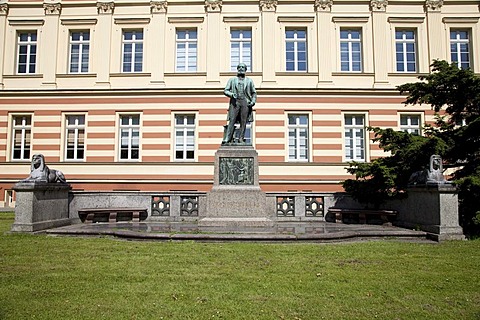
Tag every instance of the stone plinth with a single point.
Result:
(236, 198)
(40, 206)
(432, 208)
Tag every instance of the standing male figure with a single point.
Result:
(243, 96)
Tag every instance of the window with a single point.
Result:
(298, 137)
(296, 49)
(410, 123)
(27, 52)
(240, 48)
(75, 137)
(79, 51)
(129, 137)
(132, 51)
(354, 137)
(22, 132)
(186, 50)
(184, 137)
(350, 50)
(405, 50)
(460, 48)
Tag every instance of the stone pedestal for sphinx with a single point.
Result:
(432, 208)
(40, 205)
(236, 198)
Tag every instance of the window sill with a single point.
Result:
(185, 74)
(23, 76)
(407, 74)
(296, 73)
(353, 74)
(130, 74)
(76, 75)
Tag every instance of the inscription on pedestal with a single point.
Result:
(236, 171)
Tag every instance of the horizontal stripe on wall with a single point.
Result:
(271, 158)
(156, 135)
(157, 111)
(155, 159)
(46, 135)
(100, 135)
(102, 112)
(100, 159)
(324, 146)
(42, 147)
(327, 135)
(386, 124)
(100, 147)
(48, 124)
(270, 123)
(272, 135)
(327, 159)
(271, 146)
(47, 113)
(156, 146)
(383, 112)
(206, 135)
(157, 123)
(101, 123)
(326, 123)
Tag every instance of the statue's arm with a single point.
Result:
(229, 89)
(253, 93)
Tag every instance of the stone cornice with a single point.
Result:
(105, 7)
(379, 5)
(323, 5)
(158, 6)
(52, 8)
(268, 5)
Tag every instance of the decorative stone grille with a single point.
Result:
(161, 206)
(314, 207)
(286, 206)
(189, 206)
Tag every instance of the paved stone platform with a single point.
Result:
(284, 231)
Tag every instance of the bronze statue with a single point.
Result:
(40, 172)
(243, 96)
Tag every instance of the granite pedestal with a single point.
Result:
(236, 198)
(432, 208)
(40, 206)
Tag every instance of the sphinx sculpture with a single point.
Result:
(431, 176)
(40, 172)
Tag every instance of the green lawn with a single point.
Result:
(45, 277)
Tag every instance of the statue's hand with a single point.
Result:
(251, 104)
(234, 95)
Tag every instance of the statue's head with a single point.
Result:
(38, 162)
(241, 69)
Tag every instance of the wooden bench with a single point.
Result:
(90, 215)
(384, 215)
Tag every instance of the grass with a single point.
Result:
(45, 277)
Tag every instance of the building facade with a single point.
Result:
(128, 95)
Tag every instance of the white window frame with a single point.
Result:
(242, 41)
(297, 128)
(352, 144)
(409, 127)
(77, 128)
(350, 41)
(29, 44)
(404, 42)
(189, 49)
(457, 43)
(137, 48)
(130, 128)
(25, 154)
(185, 128)
(83, 52)
(296, 41)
